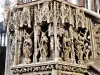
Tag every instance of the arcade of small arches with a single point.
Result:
(52, 31)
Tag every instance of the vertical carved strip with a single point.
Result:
(72, 45)
(94, 40)
(55, 31)
(91, 37)
(15, 56)
(35, 38)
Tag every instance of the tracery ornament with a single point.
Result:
(65, 10)
(43, 12)
(25, 17)
(17, 17)
(72, 15)
(79, 18)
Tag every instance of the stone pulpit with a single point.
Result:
(51, 37)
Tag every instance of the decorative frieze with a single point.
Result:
(49, 67)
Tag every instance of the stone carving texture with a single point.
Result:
(48, 31)
(50, 68)
(42, 15)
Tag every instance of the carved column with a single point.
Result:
(16, 53)
(93, 42)
(55, 33)
(35, 44)
(91, 38)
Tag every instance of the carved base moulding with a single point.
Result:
(48, 66)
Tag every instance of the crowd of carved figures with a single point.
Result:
(32, 32)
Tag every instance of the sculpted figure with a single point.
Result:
(12, 51)
(66, 46)
(27, 48)
(58, 47)
(51, 34)
(43, 49)
(79, 48)
(60, 32)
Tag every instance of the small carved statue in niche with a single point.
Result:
(38, 29)
(51, 34)
(60, 32)
(66, 46)
(19, 42)
(43, 49)
(58, 47)
(79, 48)
(27, 50)
(12, 51)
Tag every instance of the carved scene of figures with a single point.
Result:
(45, 41)
(63, 42)
(21, 30)
(82, 45)
(51, 28)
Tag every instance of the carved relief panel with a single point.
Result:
(21, 31)
(82, 43)
(96, 39)
(45, 33)
(51, 29)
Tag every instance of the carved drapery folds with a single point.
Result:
(35, 32)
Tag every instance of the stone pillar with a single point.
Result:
(55, 33)
(35, 45)
(8, 61)
(16, 53)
